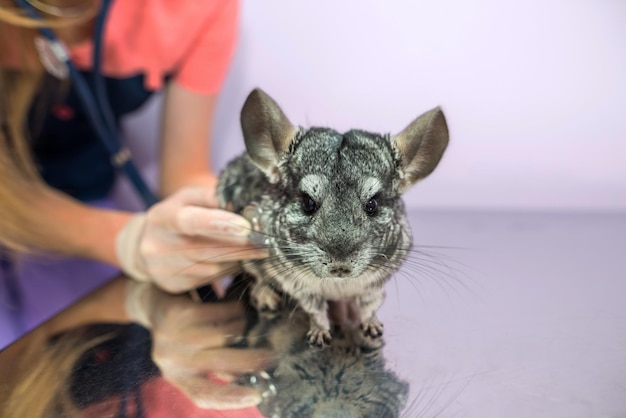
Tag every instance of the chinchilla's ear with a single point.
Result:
(266, 130)
(420, 146)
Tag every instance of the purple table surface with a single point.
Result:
(512, 315)
(524, 317)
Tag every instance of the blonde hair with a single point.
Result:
(69, 13)
(42, 389)
(20, 183)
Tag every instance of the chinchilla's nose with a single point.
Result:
(342, 238)
(340, 269)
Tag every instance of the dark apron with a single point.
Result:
(65, 147)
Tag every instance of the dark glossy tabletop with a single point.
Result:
(493, 315)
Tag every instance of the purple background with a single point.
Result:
(534, 91)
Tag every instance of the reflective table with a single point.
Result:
(493, 315)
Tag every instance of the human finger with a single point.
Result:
(196, 275)
(210, 336)
(230, 360)
(220, 252)
(213, 223)
(183, 311)
(217, 313)
(197, 196)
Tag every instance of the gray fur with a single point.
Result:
(347, 380)
(339, 252)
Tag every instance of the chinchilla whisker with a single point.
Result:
(286, 272)
(441, 268)
(437, 257)
(436, 276)
(417, 408)
(431, 269)
(383, 267)
(409, 408)
(410, 281)
(442, 259)
(447, 262)
(210, 259)
(441, 247)
(423, 272)
(439, 390)
(452, 399)
(437, 393)
(423, 402)
(212, 247)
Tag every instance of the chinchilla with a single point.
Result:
(330, 208)
(349, 379)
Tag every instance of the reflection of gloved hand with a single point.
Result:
(184, 242)
(189, 343)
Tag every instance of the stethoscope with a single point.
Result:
(56, 60)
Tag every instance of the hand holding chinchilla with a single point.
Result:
(330, 208)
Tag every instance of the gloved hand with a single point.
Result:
(184, 242)
(189, 345)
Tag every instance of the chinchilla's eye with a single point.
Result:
(371, 207)
(309, 206)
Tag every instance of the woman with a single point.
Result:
(55, 175)
(182, 48)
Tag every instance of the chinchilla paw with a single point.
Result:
(318, 337)
(372, 328)
(267, 302)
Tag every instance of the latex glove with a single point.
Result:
(189, 343)
(184, 242)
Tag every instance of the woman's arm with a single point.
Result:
(75, 229)
(185, 139)
(179, 244)
(190, 101)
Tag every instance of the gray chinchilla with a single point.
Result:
(330, 208)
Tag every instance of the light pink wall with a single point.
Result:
(534, 91)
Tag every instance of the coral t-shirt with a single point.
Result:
(190, 40)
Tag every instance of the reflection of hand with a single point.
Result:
(343, 313)
(190, 342)
(184, 242)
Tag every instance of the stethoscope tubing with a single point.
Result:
(96, 104)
